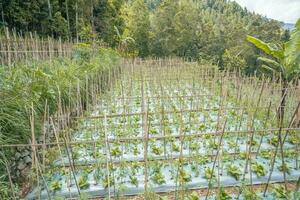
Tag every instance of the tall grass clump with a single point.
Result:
(27, 87)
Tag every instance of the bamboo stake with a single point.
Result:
(107, 159)
(35, 160)
(60, 152)
(276, 150)
(214, 163)
(71, 161)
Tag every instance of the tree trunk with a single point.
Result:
(281, 125)
(296, 120)
(68, 20)
(76, 19)
(49, 9)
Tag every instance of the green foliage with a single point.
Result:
(5, 189)
(234, 171)
(108, 181)
(258, 169)
(280, 193)
(184, 176)
(158, 178)
(86, 33)
(286, 57)
(202, 160)
(116, 151)
(34, 84)
(274, 140)
(209, 174)
(31, 85)
(249, 194)
(151, 195)
(134, 181)
(203, 30)
(284, 168)
(108, 19)
(137, 26)
(175, 147)
(293, 138)
(193, 196)
(233, 62)
(156, 149)
(163, 29)
(59, 26)
(84, 196)
(223, 195)
(83, 182)
(266, 154)
(55, 185)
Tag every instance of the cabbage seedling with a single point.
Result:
(258, 169)
(234, 171)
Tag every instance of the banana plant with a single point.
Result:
(285, 64)
(285, 60)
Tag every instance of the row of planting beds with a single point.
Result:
(172, 130)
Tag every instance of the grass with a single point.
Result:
(44, 83)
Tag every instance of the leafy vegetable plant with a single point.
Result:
(249, 194)
(83, 182)
(223, 195)
(107, 181)
(134, 180)
(258, 169)
(193, 196)
(158, 178)
(135, 150)
(194, 146)
(184, 176)
(273, 141)
(284, 168)
(209, 174)
(280, 193)
(175, 147)
(116, 151)
(234, 171)
(55, 185)
(212, 144)
(156, 150)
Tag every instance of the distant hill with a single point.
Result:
(288, 26)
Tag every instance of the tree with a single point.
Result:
(284, 62)
(60, 26)
(233, 62)
(185, 24)
(164, 32)
(285, 57)
(107, 16)
(137, 26)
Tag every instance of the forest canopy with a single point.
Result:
(213, 30)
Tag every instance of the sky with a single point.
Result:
(283, 10)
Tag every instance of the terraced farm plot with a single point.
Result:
(171, 126)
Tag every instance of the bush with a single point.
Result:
(33, 85)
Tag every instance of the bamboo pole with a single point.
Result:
(107, 158)
(214, 163)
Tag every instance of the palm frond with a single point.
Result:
(267, 48)
(271, 63)
(292, 51)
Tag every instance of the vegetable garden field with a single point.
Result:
(177, 128)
